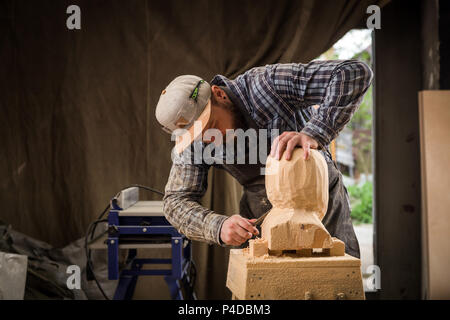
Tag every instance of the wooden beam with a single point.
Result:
(398, 78)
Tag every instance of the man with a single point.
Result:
(279, 96)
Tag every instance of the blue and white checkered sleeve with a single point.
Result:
(343, 95)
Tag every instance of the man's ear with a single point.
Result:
(218, 92)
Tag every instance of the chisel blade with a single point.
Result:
(261, 219)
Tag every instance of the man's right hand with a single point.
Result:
(236, 230)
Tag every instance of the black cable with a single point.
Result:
(95, 226)
(89, 271)
(88, 256)
(144, 187)
(89, 265)
(103, 212)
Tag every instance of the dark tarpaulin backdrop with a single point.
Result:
(77, 107)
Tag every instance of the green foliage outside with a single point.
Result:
(361, 202)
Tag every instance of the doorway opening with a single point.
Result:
(354, 148)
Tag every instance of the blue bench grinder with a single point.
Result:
(134, 224)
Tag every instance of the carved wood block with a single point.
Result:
(298, 192)
(287, 277)
(258, 247)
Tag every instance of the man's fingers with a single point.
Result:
(306, 149)
(292, 143)
(233, 242)
(248, 226)
(276, 142)
(239, 230)
(240, 236)
(288, 140)
(238, 239)
(233, 237)
(273, 148)
(242, 232)
(281, 146)
(236, 230)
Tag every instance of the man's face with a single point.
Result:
(223, 120)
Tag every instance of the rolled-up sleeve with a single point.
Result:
(186, 185)
(336, 86)
(344, 93)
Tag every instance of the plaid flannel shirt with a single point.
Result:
(278, 96)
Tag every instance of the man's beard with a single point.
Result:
(238, 121)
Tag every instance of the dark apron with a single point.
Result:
(254, 202)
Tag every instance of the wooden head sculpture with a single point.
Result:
(298, 192)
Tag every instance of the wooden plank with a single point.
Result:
(287, 261)
(333, 149)
(144, 208)
(434, 111)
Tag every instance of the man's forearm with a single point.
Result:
(192, 219)
(185, 187)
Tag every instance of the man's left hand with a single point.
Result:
(287, 141)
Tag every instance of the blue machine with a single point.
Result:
(134, 224)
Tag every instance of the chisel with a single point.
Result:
(261, 219)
